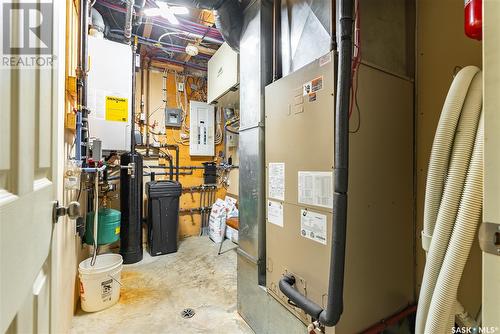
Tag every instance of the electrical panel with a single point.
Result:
(173, 117)
(222, 72)
(201, 129)
(110, 93)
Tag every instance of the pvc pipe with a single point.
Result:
(462, 105)
(94, 169)
(464, 231)
(96, 218)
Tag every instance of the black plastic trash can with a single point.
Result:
(163, 216)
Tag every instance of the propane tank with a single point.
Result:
(474, 19)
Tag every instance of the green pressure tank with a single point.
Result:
(108, 230)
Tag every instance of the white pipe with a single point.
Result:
(464, 231)
(463, 105)
(96, 218)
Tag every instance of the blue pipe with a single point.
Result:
(93, 170)
(78, 139)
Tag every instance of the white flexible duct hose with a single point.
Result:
(464, 231)
(441, 147)
(465, 99)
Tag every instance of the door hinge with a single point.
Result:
(72, 211)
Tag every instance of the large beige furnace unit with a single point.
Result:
(379, 266)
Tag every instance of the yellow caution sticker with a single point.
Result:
(117, 230)
(116, 109)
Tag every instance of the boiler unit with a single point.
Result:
(110, 93)
(299, 149)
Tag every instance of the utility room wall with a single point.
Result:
(189, 224)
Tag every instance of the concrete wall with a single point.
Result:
(441, 47)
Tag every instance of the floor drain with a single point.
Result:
(187, 313)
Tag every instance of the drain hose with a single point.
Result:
(460, 244)
(449, 163)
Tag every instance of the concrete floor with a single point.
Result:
(156, 290)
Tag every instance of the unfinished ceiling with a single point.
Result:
(160, 40)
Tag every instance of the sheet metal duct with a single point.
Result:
(255, 74)
(306, 31)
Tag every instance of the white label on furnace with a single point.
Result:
(313, 226)
(316, 188)
(275, 213)
(276, 184)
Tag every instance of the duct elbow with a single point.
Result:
(228, 17)
(229, 21)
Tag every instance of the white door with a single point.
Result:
(31, 92)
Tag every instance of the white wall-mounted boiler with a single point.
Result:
(110, 93)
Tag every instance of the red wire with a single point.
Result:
(357, 55)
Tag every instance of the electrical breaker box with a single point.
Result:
(173, 117)
(110, 93)
(201, 129)
(299, 148)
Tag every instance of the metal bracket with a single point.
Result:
(131, 169)
(489, 238)
(72, 211)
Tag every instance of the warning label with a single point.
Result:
(312, 86)
(106, 289)
(116, 109)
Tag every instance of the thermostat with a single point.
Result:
(173, 117)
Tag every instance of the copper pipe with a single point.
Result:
(392, 320)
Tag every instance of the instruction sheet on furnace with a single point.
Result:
(276, 183)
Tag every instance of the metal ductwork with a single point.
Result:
(228, 17)
(97, 22)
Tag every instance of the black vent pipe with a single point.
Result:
(334, 308)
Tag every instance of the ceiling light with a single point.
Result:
(167, 12)
(191, 50)
(179, 10)
(152, 11)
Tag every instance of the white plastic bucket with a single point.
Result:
(100, 284)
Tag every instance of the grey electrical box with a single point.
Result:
(173, 117)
